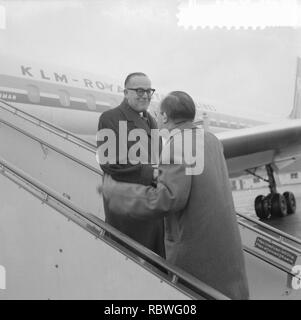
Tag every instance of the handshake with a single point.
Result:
(154, 181)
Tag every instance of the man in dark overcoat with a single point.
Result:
(132, 114)
(201, 230)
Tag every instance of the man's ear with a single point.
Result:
(125, 92)
(164, 117)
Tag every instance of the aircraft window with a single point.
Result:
(64, 98)
(256, 180)
(294, 175)
(91, 103)
(224, 123)
(33, 93)
(213, 121)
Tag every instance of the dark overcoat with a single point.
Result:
(150, 233)
(201, 231)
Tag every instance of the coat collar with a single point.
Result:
(180, 126)
(133, 116)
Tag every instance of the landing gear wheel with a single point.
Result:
(259, 209)
(279, 207)
(290, 202)
(267, 206)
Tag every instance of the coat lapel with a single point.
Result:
(133, 116)
(180, 127)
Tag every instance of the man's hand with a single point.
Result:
(155, 174)
(155, 177)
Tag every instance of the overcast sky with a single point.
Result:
(243, 71)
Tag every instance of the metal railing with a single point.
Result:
(280, 241)
(172, 275)
(48, 126)
(59, 151)
(281, 234)
(99, 228)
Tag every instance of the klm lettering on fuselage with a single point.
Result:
(7, 96)
(63, 78)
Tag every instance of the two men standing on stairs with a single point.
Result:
(189, 196)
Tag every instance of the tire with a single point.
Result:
(279, 207)
(267, 206)
(290, 202)
(259, 208)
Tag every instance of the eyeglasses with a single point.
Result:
(140, 91)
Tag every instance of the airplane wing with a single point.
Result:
(248, 150)
(252, 148)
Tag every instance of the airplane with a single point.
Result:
(74, 101)
(27, 85)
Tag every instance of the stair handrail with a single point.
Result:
(202, 289)
(49, 126)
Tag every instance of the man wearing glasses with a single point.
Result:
(133, 111)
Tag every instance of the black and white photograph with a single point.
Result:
(150, 150)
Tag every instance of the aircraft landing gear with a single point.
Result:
(274, 204)
(290, 201)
